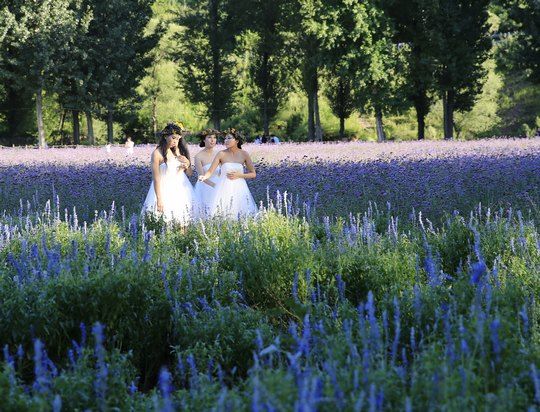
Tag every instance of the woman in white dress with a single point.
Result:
(205, 191)
(171, 194)
(232, 198)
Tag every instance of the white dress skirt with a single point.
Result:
(177, 195)
(204, 193)
(232, 197)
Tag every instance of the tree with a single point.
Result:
(340, 34)
(119, 54)
(339, 92)
(519, 51)
(205, 47)
(270, 64)
(460, 46)
(412, 29)
(381, 83)
(356, 40)
(41, 32)
(74, 75)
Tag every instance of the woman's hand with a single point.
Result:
(203, 177)
(159, 206)
(235, 174)
(184, 162)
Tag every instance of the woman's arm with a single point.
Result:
(200, 170)
(156, 159)
(213, 167)
(251, 174)
(198, 165)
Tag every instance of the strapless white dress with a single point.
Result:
(205, 193)
(177, 194)
(232, 197)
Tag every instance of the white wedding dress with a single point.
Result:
(204, 193)
(177, 194)
(232, 198)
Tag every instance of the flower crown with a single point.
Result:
(180, 125)
(209, 132)
(232, 131)
(173, 127)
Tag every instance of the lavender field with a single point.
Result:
(432, 177)
(377, 283)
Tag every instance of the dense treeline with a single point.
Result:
(240, 61)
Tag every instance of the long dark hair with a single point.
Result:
(237, 136)
(181, 149)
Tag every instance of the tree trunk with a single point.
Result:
(448, 107)
(311, 121)
(154, 117)
(90, 126)
(110, 134)
(76, 128)
(217, 123)
(266, 123)
(316, 112)
(264, 81)
(381, 137)
(341, 127)
(421, 121)
(39, 115)
(61, 127)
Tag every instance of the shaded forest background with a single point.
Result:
(96, 71)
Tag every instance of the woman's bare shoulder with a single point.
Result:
(156, 155)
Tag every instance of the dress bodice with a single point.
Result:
(171, 167)
(230, 167)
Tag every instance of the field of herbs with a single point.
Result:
(400, 276)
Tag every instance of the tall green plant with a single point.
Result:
(460, 44)
(40, 36)
(520, 49)
(270, 65)
(412, 28)
(119, 53)
(205, 47)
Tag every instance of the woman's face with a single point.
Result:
(173, 139)
(230, 141)
(210, 141)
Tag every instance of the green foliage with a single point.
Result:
(460, 74)
(270, 63)
(219, 304)
(224, 335)
(206, 42)
(519, 49)
(86, 72)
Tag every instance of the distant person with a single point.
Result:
(264, 139)
(108, 147)
(257, 140)
(274, 139)
(129, 145)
